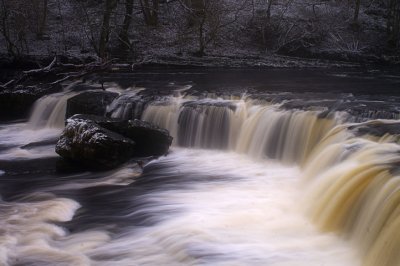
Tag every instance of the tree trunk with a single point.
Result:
(269, 10)
(202, 43)
(150, 11)
(123, 35)
(105, 28)
(356, 11)
(393, 24)
(42, 22)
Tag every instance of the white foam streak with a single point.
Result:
(28, 235)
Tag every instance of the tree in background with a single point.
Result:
(38, 14)
(208, 18)
(150, 10)
(14, 26)
(123, 34)
(356, 11)
(109, 6)
(393, 24)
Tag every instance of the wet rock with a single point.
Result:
(90, 102)
(87, 143)
(128, 106)
(377, 128)
(150, 140)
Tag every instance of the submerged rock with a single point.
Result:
(90, 102)
(103, 143)
(91, 145)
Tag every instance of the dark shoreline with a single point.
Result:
(209, 61)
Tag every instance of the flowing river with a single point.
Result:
(257, 175)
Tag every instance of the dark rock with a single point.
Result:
(90, 102)
(128, 106)
(376, 128)
(113, 124)
(150, 140)
(85, 142)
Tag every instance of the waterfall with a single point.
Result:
(353, 188)
(127, 106)
(245, 126)
(49, 111)
(349, 163)
(351, 172)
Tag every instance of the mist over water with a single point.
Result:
(251, 179)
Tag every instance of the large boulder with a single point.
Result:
(90, 102)
(102, 143)
(87, 143)
(150, 140)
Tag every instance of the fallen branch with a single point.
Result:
(44, 69)
(89, 69)
(5, 85)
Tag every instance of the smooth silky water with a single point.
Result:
(248, 181)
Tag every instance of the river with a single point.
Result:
(267, 167)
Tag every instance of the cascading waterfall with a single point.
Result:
(350, 184)
(245, 126)
(355, 190)
(49, 111)
(351, 188)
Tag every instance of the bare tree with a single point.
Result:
(150, 10)
(393, 23)
(208, 18)
(109, 6)
(356, 11)
(123, 35)
(14, 26)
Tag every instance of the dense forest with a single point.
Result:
(140, 30)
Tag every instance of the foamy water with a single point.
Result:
(15, 136)
(241, 213)
(207, 207)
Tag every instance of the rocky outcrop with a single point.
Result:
(150, 140)
(91, 145)
(90, 102)
(102, 143)
(16, 103)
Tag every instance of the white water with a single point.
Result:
(237, 207)
(252, 217)
(16, 135)
(262, 130)
(238, 212)
(49, 111)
